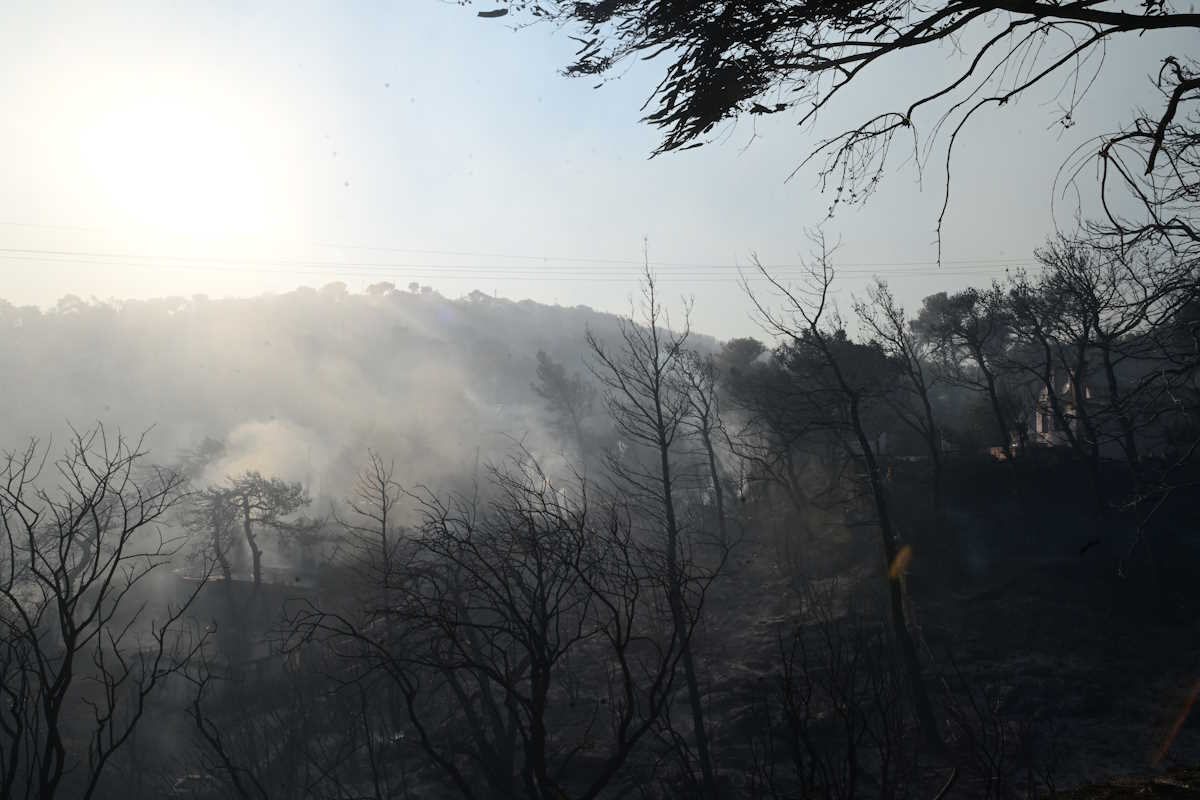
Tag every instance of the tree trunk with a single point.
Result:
(252, 541)
(221, 551)
(1091, 455)
(997, 410)
(908, 649)
(1118, 404)
(679, 619)
(715, 476)
(934, 445)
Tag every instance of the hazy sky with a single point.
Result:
(242, 148)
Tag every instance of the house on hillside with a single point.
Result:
(1054, 430)
(1155, 417)
(1056, 422)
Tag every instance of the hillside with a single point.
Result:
(299, 384)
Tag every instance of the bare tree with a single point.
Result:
(1096, 324)
(1151, 161)
(1107, 310)
(309, 731)
(886, 321)
(843, 379)
(700, 374)
(650, 406)
(301, 732)
(838, 721)
(372, 528)
(519, 636)
(79, 539)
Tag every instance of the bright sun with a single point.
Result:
(186, 164)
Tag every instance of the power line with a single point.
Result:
(466, 271)
(634, 262)
(510, 256)
(283, 262)
(483, 272)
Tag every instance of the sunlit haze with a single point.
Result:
(232, 150)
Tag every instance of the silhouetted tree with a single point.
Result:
(520, 636)
(373, 526)
(211, 518)
(886, 321)
(771, 427)
(731, 61)
(199, 458)
(738, 354)
(704, 419)
(1095, 323)
(969, 332)
(568, 398)
(262, 503)
(842, 379)
(650, 405)
(78, 542)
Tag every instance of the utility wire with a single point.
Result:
(467, 271)
(434, 272)
(479, 254)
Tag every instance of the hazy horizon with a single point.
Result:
(231, 152)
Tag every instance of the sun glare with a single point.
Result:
(186, 164)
